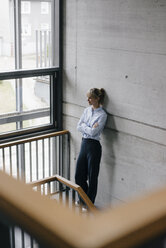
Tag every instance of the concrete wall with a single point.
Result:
(119, 45)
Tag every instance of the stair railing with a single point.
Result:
(65, 192)
(35, 158)
(139, 223)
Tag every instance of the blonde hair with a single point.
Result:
(97, 93)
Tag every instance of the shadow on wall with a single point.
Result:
(106, 180)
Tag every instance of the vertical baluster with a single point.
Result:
(60, 193)
(73, 198)
(3, 158)
(41, 55)
(49, 48)
(37, 52)
(30, 160)
(55, 155)
(42, 190)
(60, 156)
(12, 237)
(45, 48)
(68, 156)
(37, 161)
(67, 195)
(43, 156)
(23, 169)
(10, 159)
(48, 188)
(31, 242)
(54, 160)
(65, 157)
(20, 162)
(49, 156)
(17, 155)
(22, 239)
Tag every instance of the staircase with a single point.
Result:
(63, 191)
(34, 161)
(40, 211)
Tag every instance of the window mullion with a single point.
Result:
(18, 82)
(17, 27)
(18, 58)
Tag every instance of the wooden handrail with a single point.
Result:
(57, 226)
(43, 136)
(69, 184)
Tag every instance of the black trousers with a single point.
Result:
(87, 167)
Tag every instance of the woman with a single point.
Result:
(91, 125)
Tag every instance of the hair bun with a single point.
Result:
(102, 91)
(95, 92)
(102, 95)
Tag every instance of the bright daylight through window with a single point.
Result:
(29, 65)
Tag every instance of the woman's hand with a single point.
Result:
(95, 125)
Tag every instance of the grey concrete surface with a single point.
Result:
(120, 46)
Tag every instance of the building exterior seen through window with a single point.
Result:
(25, 7)
(36, 38)
(29, 42)
(44, 8)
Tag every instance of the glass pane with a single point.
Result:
(36, 100)
(6, 35)
(8, 104)
(36, 122)
(5, 128)
(7, 96)
(36, 93)
(36, 34)
(24, 103)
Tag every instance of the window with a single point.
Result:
(26, 29)
(36, 49)
(44, 26)
(44, 8)
(25, 7)
(29, 104)
(30, 89)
